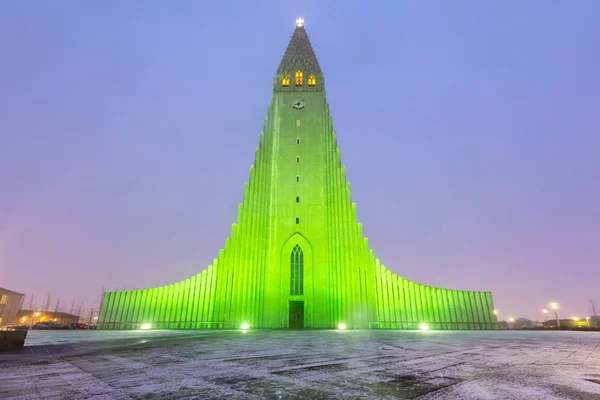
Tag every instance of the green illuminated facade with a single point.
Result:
(297, 256)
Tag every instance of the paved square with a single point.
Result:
(284, 364)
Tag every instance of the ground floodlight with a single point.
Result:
(341, 326)
(245, 326)
(145, 326)
(424, 327)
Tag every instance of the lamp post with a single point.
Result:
(545, 314)
(555, 307)
(587, 319)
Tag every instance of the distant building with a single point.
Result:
(10, 303)
(590, 322)
(25, 317)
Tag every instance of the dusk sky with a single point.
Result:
(470, 132)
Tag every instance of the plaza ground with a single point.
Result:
(303, 364)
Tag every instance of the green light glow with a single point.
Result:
(245, 327)
(342, 326)
(424, 327)
(297, 205)
(146, 326)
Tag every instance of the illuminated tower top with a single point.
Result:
(299, 67)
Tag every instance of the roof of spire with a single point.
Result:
(299, 54)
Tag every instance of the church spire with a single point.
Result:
(299, 54)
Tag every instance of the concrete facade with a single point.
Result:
(10, 304)
(297, 256)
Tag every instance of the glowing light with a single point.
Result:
(575, 318)
(146, 326)
(554, 306)
(37, 314)
(424, 327)
(245, 326)
(54, 319)
(511, 319)
(95, 317)
(24, 318)
(341, 326)
(495, 312)
(299, 22)
(545, 311)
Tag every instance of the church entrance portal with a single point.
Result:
(296, 314)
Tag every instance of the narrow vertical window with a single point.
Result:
(312, 81)
(297, 271)
(298, 123)
(297, 199)
(297, 159)
(298, 78)
(297, 220)
(298, 141)
(285, 81)
(297, 178)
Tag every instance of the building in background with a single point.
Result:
(32, 317)
(297, 256)
(10, 304)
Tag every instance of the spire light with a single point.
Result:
(299, 22)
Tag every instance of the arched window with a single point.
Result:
(298, 78)
(297, 271)
(312, 81)
(285, 81)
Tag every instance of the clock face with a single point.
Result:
(298, 104)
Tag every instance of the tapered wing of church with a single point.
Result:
(297, 256)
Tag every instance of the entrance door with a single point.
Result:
(296, 314)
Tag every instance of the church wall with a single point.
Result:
(343, 280)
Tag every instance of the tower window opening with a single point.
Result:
(297, 159)
(297, 220)
(297, 178)
(297, 271)
(298, 78)
(285, 81)
(312, 81)
(298, 141)
(297, 199)
(298, 123)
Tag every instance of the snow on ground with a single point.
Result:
(305, 364)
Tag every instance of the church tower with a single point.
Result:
(296, 257)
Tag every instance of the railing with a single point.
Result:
(435, 325)
(162, 325)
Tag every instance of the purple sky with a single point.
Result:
(470, 132)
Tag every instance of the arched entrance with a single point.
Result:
(296, 259)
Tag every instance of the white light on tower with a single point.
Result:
(299, 22)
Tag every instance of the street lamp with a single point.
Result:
(545, 314)
(575, 319)
(587, 319)
(554, 307)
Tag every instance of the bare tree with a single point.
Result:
(56, 308)
(72, 309)
(48, 301)
(594, 308)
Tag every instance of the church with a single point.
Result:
(297, 257)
